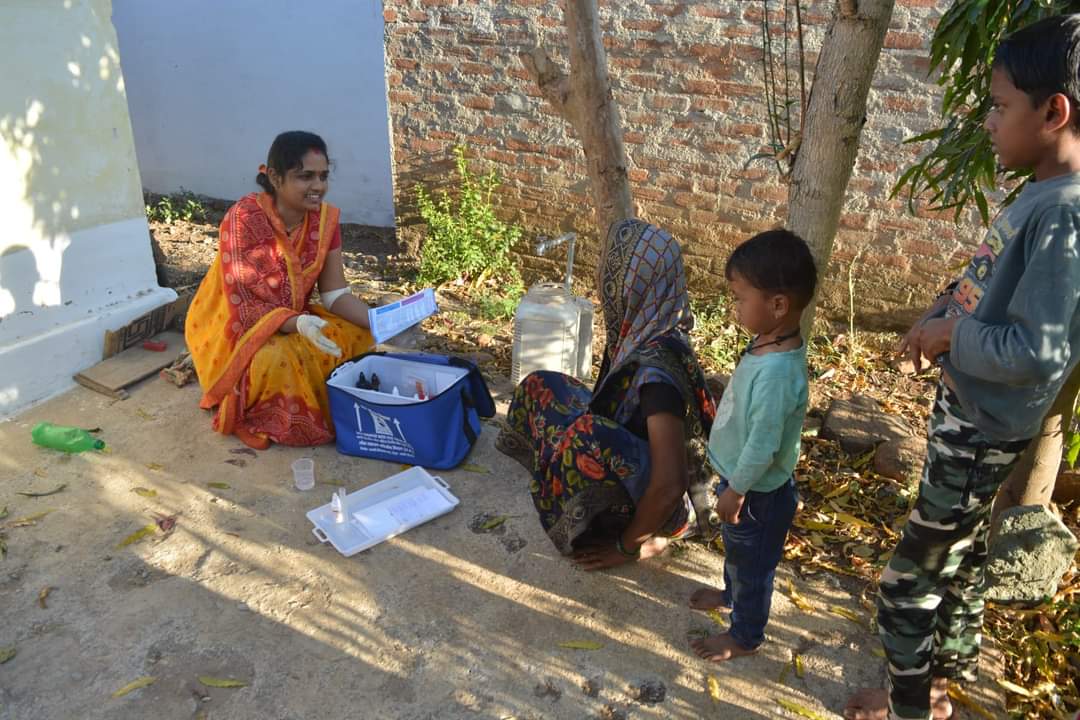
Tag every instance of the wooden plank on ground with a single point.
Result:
(145, 326)
(111, 376)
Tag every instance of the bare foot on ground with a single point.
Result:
(653, 547)
(939, 699)
(707, 598)
(868, 704)
(719, 648)
(873, 703)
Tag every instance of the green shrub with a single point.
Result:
(184, 205)
(503, 305)
(465, 240)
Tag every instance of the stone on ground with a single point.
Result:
(859, 425)
(901, 458)
(1030, 554)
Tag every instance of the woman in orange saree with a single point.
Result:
(261, 349)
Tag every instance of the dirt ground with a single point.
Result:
(445, 621)
(450, 620)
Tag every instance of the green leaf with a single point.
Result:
(138, 535)
(144, 492)
(218, 485)
(493, 523)
(47, 493)
(474, 468)
(581, 645)
(209, 681)
(135, 685)
(29, 520)
(6, 654)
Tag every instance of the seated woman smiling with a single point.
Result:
(261, 349)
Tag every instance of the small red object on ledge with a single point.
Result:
(155, 345)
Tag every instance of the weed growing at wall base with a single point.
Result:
(465, 240)
(184, 205)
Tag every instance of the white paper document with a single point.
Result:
(397, 317)
(389, 516)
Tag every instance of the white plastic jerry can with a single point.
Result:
(552, 327)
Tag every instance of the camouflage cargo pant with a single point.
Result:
(930, 605)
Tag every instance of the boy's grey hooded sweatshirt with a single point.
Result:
(1018, 336)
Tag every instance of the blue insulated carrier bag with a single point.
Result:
(412, 408)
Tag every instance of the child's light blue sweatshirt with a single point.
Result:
(755, 438)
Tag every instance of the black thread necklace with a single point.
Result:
(750, 346)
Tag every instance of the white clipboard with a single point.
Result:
(383, 510)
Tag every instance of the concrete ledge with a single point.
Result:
(41, 366)
(59, 295)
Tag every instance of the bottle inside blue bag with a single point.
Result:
(65, 438)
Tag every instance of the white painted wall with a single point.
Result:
(211, 83)
(75, 255)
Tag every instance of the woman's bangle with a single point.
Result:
(624, 552)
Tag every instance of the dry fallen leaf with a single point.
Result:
(717, 617)
(473, 467)
(800, 710)
(238, 462)
(1014, 688)
(155, 466)
(143, 414)
(58, 488)
(42, 596)
(135, 685)
(144, 492)
(965, 700)
(845, 613)
(713, 686)
(29, 519)
(6, 654)
(138, 535)
(581, 645)
(3, 512)
(209, 681)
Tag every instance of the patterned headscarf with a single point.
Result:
(643, 292)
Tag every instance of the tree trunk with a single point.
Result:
(834, 118)
(584, 99)
(1032, 481)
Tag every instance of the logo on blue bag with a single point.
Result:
(386, 435)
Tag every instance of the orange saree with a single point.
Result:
(267, 386)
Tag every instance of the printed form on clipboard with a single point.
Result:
(397, 317)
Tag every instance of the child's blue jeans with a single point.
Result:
(752, 549)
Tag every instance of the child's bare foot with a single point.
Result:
(719, 648)
(939, 699)
(707, 598)
(873, 703)
(868, 704)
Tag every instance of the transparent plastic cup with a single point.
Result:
(303, 472)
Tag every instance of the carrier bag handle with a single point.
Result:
(468, 404)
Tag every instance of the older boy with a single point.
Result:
(1006, 337)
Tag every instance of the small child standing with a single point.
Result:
(1006, 336)
(754, 443)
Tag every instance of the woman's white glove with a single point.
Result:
(310, 326)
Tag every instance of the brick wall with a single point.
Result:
(688, 82)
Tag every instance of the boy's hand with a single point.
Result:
(935, 337)
(910, 348)
(729, 505)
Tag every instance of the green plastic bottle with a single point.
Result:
(62, 437)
